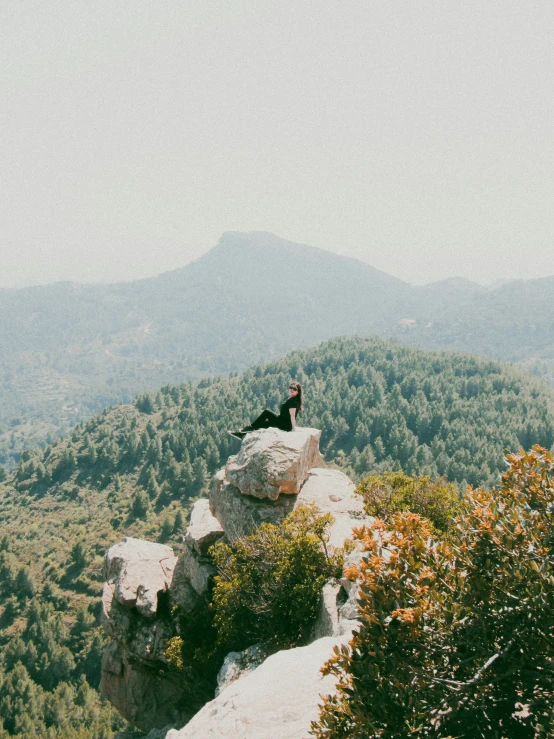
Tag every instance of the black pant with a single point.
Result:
(268, 419)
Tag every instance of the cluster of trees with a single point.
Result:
(456, 635)
(134, 470)
(44, 396)
(513, 322)
(380, 406)
(48, 667)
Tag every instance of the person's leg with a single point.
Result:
(266, 419)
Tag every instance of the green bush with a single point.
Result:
(269, 583)
(139, 505)
(456, 637)
(267, 591)
(196, 654)
(395, 492)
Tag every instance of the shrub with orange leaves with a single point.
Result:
(457, 637)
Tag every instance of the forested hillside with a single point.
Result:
(135, 469)
(514, 322)
(70, 350)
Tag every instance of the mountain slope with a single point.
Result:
(70, 350)
(513, 322)
(134, 469)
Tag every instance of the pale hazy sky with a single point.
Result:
(417, 136)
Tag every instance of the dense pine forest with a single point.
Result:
(135, 469)
(69, 350)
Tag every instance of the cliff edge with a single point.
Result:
(274, 473)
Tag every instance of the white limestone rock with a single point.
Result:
(338, 611)
(334, 492)
(278, 700)
(204, 529)
(139, 575)
(181, 592)
(272, 462)
(331, 490)
(327, 623)
(144, 638)
(116, 619)
(137, 571)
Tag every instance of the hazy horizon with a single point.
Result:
(485, 283)
(416, 138)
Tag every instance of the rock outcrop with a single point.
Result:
(272, 462)
(204, 529)
(139, 570)
(238, 664)
(240, 514)
(136, 606)
(274, 473)
(338, 607)
(334, 492)
(278, 700)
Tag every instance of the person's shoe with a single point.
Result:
(237, 434)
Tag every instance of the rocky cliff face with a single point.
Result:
(274, 473)
(143, 581)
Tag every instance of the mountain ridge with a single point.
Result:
(69, 350)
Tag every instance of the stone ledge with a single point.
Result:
(272, 462)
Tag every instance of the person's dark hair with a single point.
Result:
(298, 386)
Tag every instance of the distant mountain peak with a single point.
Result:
(258, 241)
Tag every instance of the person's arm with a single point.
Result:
(292, 412)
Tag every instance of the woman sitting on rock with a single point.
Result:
(286, 420)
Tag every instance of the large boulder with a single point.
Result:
(139, 570)
(278, 700)
(272, 462)
(203, 531)
(198, 569)
(181, 592)
(136, 613)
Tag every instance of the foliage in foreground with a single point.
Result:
(267, 592)
(133, 471)
(456, 638)
(269, 583)
(394, 492)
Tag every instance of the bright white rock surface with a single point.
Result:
(278, 700)
(333, 492)
(204, 529)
